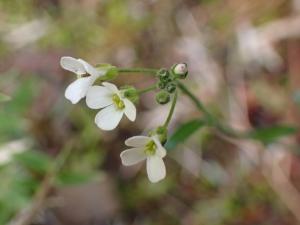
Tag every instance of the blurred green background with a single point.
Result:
(243, 59)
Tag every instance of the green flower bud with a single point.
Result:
(161, 85)
(111, 73)
(162, 133)
(180, 70)
(171, 87)
(131, 93)
(164, 75)
(162, 97)
(165, 79)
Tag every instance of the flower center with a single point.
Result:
(150, 148)
(118, 102)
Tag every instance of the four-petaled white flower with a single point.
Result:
(78, 89)
(148, 148)
(114, 105)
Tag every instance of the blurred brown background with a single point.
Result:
(244, 64)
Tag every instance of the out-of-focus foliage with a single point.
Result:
(183, 133)
(271, 134)
(4, 97)
(19, 182)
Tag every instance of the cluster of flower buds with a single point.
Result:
(167, 81)
(113, 103)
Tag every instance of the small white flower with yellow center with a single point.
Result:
(78, 89)
(148, 148)
(113, 104)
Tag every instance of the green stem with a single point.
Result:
(195, 100)
(171, 110)
(211, 118)
(137, 70)
(151, 88)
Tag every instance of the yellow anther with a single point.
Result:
(118, 102)
(150, 148)
(115, 98)
(121, 105)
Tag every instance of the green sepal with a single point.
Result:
(161, 132)
(131, 93)
(164, 75)
(111, 71)
(161, 85)
(162, 97)
(111, 74)
(171, 87)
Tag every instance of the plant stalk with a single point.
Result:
(151, 88)
(171, 110)
(137, 70)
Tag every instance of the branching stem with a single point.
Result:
(210, 118)
(151, 88)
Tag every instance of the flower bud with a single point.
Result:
(162, 133)
(162, 97)
(171, 87)
(180, 70)
(164, 75)
(111, 71)
(131, 93)
(161, 84)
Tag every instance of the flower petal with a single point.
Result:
(130, 110)
(156, 169)
(98, 97)
(112, 87)
(78, 89)
(161, 151)
(132, 156)
(92, 70)
(137, 141)
(73, 65)
(108, 118)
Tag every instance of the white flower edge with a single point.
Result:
(78, 88)
(110, 115)
(155, 166)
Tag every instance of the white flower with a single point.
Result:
(114, 105)
(148, 148)
(78, 89)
